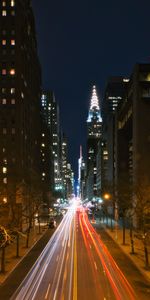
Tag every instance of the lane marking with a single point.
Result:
(75, 269)
(65, 275)
(55, 294)
(57, 257)
(95, 265)
(47, 291)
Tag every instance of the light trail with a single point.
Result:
(118, 282)
(30, 286)
(55, 275)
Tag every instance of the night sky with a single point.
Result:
(83, 42)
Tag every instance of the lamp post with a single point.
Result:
(108, 197)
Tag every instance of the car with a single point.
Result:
(52, 223)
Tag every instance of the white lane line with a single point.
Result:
(57, 257)
(46, 296)
(95, 265)
(55, 294)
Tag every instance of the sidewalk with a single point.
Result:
(138, 258)
(11, 261)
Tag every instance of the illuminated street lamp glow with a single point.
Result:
(106, 196)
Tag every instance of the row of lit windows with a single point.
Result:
(12, 42)
(4, 13)
(11, 2)
(4, 90)
(11, 72)
(5, 101)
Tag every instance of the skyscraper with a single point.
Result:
(50, 113)
(94, 128)
(20, 81)
(115, 93)
(46, 146)
(81, 176)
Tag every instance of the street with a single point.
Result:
(75, 264)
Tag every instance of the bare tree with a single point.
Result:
(142, 214)
(124, 202)
(4, 241)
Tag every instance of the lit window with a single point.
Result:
(5, 161)
(12, 3)
(4, 170)
(4, 101)
(5, 200)
(12, 72)
(4, 130)
(4, 71)
(13, 42)
(22, 95)
(5, 180)
(13, 101)
(4, 3)
(4, 42)
(12, 90)
(4, 13)
(3, 90)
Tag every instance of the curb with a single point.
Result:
(128, 255)
(20, 260)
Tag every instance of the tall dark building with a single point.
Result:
(20, 81)
(115, 94)
(94, 127)
(133, 128)
(51, 116)
(46, 147)
(133, 137)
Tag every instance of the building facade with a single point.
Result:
(20, 83)
(115, 93)
(94, 128)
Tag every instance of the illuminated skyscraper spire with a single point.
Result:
(94, 99)
(94, 110)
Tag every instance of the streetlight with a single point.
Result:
(108, 197)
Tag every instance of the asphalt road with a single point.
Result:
(76, 265)
(140, 284)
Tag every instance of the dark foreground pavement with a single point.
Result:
(15, 278)
(131, 272)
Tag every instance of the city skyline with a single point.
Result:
(59, 241)
(82, 44)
